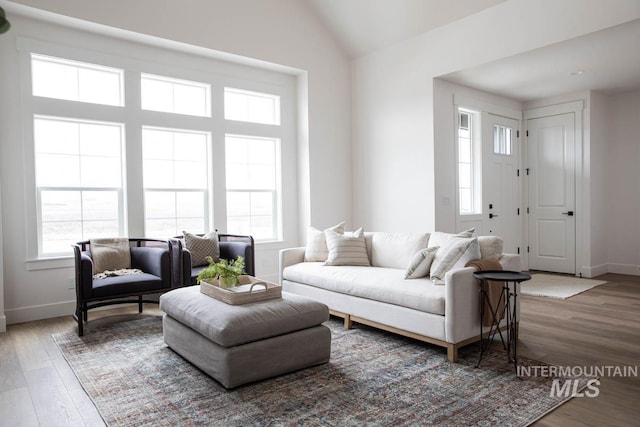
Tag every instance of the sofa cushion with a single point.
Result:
(454, 253)
(420, 264)
(346, 249)
(316, 249)
(439, 238)
(395, 250)
(386, 285)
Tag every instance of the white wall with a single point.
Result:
(3, 318)
(596, 162)
(398, 162)
(279, 32)
(622, 183)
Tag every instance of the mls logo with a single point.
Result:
(571, 388)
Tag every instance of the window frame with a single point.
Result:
(276, 192)
(78, 188)
(161, 61)
(475, 131)
(206, 191)
(183, 82)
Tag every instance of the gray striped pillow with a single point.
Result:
(347, 249)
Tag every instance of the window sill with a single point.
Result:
(49, 263)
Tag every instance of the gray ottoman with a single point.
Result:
(238, 344)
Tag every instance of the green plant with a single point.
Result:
(225, 271)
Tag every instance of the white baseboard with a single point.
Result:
(3, 323)
(39, 312)
(595, 270)
(48, 311)
(624, 269)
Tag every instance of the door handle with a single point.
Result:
(570, 213)
(495, 216)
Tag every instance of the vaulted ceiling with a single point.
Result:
(366, 25)
(607, 60)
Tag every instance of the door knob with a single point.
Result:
(493, 216)
(570, 213)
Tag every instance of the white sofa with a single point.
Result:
(445, 314)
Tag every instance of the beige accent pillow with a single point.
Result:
(316, 249)
(457, 251)
(110, 254)
(439, 238)
(490, 246)
(202, 247)
(420, 265)
(347, 249)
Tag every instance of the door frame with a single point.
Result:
(484, 108)
(582, 200)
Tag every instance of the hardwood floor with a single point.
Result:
(600, 327)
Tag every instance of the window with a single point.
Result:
(502, 140)
(251, 107)
(78, 181)
(469, 180)
(176, 181)
(252, 169)
(162, 162)
(169, 95)
(76, 81)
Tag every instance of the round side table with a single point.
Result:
(508, 292)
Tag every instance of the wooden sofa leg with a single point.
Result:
(140, 304)
(452, 352)
(348, 324)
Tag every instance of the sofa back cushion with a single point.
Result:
(396, 250)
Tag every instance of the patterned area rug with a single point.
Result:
(557, 286)
(374, 378)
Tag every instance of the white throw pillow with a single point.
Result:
(395, 250)
(420, 265)
(316, 249)
(439, 238)
(346, 249)
(490, 246)
(456, 252)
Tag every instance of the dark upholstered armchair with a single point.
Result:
(153, 257)
(231, 245)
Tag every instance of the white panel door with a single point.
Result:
(551, 173)
(500, 188)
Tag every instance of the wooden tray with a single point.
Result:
(249, 289)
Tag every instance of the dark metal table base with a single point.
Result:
(510, 313)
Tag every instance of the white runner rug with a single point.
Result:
(555, 286)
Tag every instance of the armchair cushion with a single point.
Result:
(124, 285)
